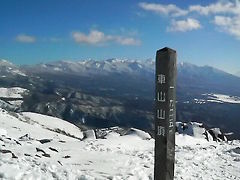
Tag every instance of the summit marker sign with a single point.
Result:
(165, 114)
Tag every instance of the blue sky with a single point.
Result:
(37, 31)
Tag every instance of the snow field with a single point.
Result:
(116, 157)
(15, 92)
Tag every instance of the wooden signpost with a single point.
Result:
(165, 114)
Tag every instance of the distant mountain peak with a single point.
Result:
(6, 68)
(237, 74)
(4, 62)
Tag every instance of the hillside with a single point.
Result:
(34, 146)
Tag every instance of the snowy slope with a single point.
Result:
(14, 92)
(54, 124)
(217, 98)
(7, 68)
(12, 98)
(221, 98)
(60, 156)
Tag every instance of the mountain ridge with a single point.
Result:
(108, 65)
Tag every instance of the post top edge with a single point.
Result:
(166, 49)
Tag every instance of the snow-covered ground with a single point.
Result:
(217, 98)
(199, 101)
(34, 146)
(13, 96)
(15, 92)
(221, 98)
(54, 124)
(16, 103)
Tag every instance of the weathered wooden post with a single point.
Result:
(165, 114)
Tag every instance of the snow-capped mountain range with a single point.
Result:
(199, 76)
(116, 66)
(92, 67)
(113, 65)
(35, 146)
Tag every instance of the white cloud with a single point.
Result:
(230, 25)
(184, 25)
(170, 9)
(220, 7)
(226, 15)
(128, 41)
(222, 21)
(96, 37)
(25, 38)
